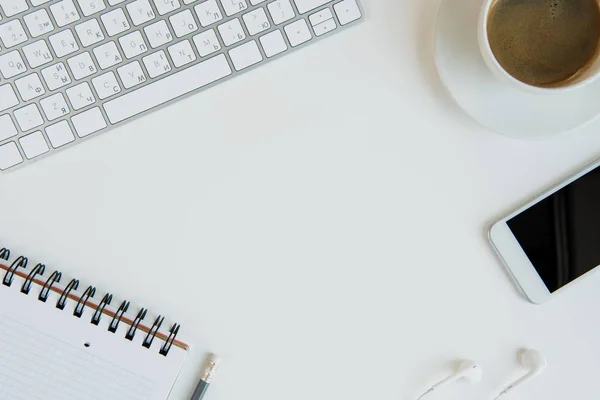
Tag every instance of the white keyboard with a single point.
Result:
(70, 69)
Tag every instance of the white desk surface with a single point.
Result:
(321, 224)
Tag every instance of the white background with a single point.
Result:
(321, 224)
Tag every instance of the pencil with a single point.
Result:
(210, 368)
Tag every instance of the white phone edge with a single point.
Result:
(514, 258)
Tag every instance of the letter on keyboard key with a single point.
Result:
(88, 122)
(245, 55)
(64, 12)
(30, 87)
(12, 33)
(8, 98)
(38, 23)
(9, 156)
(167, 89)
(11, 64)
(307, 5)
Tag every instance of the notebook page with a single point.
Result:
(43, 354)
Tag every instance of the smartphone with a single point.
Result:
(554, 240)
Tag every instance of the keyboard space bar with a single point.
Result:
(167, 89)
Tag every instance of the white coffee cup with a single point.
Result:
(584, 79)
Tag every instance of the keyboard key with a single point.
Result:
(36, 3)
(131, 74)
(245, 55)
(12, 33)
(166, 6)
(60, 134)
(64, 12)
(140, 12)
(232, 32)
(182, 53)
(347, 11)
(38, 23)
(89, 32)
(208, 12)
(158, 34)
(273, 43)
(157, 64)
(13, 7)
(325, 27)
(167, 89)
(321, 16)
(89, 7)
(115, 2)
(207, 42)
(107, 55)
(54, 106)
(63, 43)
(8, 98)
(37, 53)
(281, 11)
(298, 33)
(34, 145)
(115, 22)
(28, 117)
(56, 76)
(234, 6)
(256, 21)
(30, 87)
(307, 5)
(9, 156)
(323, 22)
(133, 44)
(11, 64)
(82, 65)
(88, 122)
(81, 96)
(183, 23)
(7, 127)
(106, 85)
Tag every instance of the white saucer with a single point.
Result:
(493, 103)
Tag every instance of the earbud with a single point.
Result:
(532, 360)
(467, 370)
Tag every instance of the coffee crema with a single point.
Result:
(545, 43)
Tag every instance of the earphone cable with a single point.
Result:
(425, 394)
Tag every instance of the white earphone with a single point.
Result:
(534, 361)
(467, 370)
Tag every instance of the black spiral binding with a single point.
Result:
(64, 296)
(152, 332)
(100, 309)
(114, 324)
(134, 325)
(90, 291)
(54, 278)
(38, 269)
(10, 274)
(4, 253)
(164, 350)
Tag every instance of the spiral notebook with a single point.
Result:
(58, 342)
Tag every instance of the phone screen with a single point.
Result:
(561, 234)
